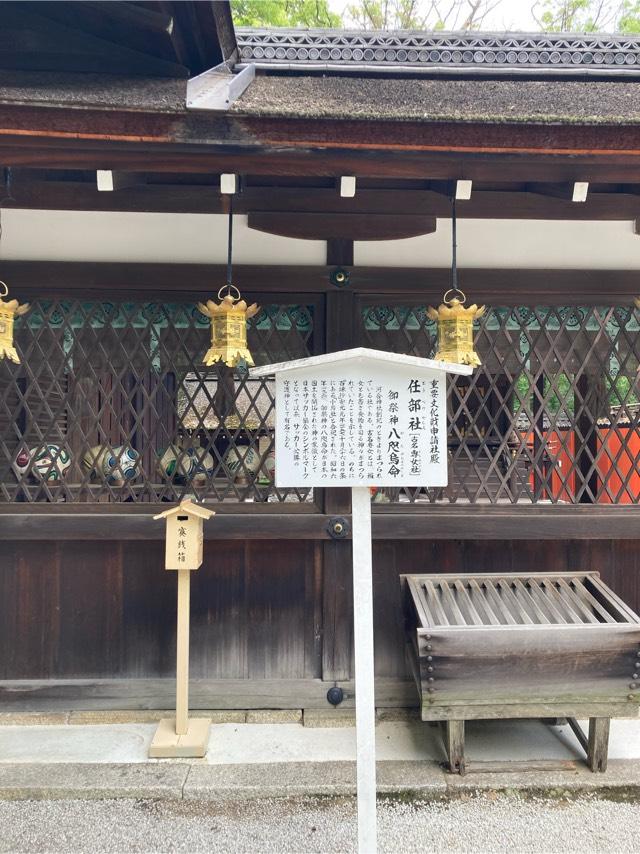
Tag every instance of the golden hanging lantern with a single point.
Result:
(228, 328)
(455, 329)
(9, 310)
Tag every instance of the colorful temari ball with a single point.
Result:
(242, 461)
(50, 462)
(113, 465)
(182, 465)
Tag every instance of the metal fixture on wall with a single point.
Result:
(455, 322)
(229, 318)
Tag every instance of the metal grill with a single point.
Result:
(552, 415)
(516, 599)
(112, 403)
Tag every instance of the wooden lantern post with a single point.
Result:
(182, 737)
(362, 418)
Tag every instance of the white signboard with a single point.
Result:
(361, 418)
(361, 424)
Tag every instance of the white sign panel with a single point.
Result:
(361, 424)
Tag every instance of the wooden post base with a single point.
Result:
(167, 744)
(455, 747)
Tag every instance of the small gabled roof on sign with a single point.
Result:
(360, 354)
(187, 506)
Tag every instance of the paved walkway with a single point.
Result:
(258, 760)
(255, 743)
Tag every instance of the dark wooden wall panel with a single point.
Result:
(89, 608)
(218, 613)
(277, 622)
(259, 608)
(29, 610)
(148, 611)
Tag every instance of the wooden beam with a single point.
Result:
(551, 190)
(111, 182)
(313, 226)
(340, 252)
(187, 142)
(390, 522)
(49, 194)
(66, 150)
(126, 693)
(31, 279)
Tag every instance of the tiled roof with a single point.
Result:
(529, 54)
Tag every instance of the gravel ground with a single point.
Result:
(476, 824)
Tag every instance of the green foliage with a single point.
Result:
(587, 16)
(629, 20)
(364, 14)
(619, 393)
(284, 13)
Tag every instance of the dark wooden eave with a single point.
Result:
(161, 39)
(60, 138)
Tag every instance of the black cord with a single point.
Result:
(454, 264)
(230, 244)
(8, 196)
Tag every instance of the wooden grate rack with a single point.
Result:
(517, 599)
(517, 645)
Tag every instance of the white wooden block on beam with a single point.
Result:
(580, 190)
(104, 178)
(348, 186)
(463, 190)
(228, 183)
(110, 182)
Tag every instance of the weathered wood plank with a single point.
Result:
(454, 742)
(598, 745)
(84, 694)
(451, 527)
(493, 711)
(467, 603)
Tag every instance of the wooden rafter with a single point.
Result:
(37, 190)
(491, 285)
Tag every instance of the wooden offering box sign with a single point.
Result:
(184, 535)
(361, 418)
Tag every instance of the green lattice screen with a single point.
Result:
(112, 403)
(551, 416)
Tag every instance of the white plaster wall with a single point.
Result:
(202, 238)
(31, 235)
(512, 244)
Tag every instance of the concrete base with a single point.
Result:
(167, 744)
(203, 782)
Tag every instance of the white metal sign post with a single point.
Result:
(361, 418)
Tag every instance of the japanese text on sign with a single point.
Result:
(358, 426)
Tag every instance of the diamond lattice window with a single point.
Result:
(112, 403)
(553, 414)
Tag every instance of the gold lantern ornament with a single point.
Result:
(9, 310)
(228, 328)
(455, 329)
(455, 322)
